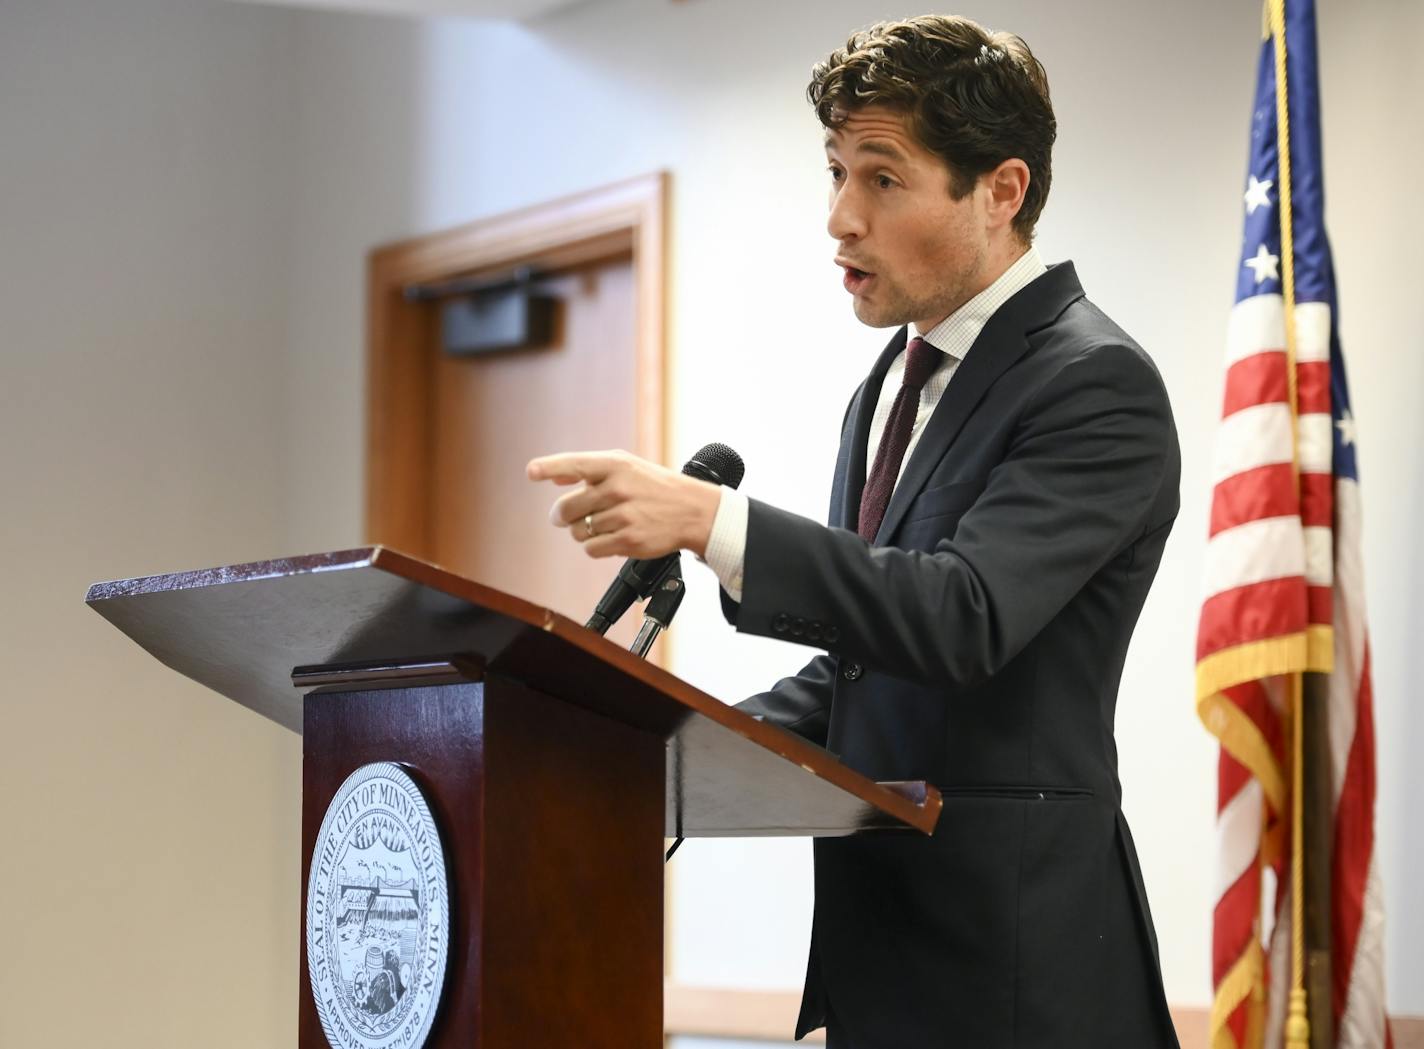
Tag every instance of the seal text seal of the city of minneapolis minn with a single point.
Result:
(378, 913)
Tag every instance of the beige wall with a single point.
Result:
(204, 179)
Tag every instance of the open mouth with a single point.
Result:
(856, 279)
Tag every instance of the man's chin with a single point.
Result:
(877, 317)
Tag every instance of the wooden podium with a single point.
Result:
(554, 764)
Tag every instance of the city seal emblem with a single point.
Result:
(378, 913)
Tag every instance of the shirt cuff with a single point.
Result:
(727, 545)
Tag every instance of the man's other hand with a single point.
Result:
(628, 507)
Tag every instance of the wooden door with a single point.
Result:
(491, 414)
(450, 436)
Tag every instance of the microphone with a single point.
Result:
(639, 577)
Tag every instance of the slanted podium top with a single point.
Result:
(243, 629)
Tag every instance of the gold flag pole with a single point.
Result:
(1297, 1017)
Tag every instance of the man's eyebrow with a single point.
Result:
(884, 149)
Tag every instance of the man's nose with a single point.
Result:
(847, 218)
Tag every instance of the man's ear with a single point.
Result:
(1006, 186)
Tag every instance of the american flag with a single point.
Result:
(1284, 581)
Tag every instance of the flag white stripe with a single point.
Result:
(1259, 435)
(1362, 1026)
(1256, 324)
(1319, 556)
(1271, 548)
(1259, 323)
(1317, 445)
(1255, 436)
(1238, 835)
(1312, 333)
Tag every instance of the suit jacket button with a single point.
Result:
(780, 623)
(813, 631)
(832, 635)
(798, 627)
(852, 671)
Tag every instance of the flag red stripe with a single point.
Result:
(1270, 491)
(1238, 1020)
(1231, 776)
(1312, 388)
(1261, 379)
(1270, 608)
(1354, 842)
(1320, 602)
(1234, 921)
(1317, 500)
(1258, 379)
(1252, 495)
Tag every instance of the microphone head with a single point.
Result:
(716, 463)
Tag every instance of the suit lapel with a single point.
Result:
(851, 469)
(999, 346)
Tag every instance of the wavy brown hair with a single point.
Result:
(972, 97)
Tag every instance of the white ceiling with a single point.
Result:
(505, 9)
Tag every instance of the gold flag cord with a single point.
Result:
(1278, 32)
(1297, 1016)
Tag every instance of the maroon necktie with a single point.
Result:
(921, 359)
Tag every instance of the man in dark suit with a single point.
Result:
(1004, 488)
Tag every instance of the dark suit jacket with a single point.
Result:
(978, 644)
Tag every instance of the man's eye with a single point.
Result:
(884, 181)
(835, 173)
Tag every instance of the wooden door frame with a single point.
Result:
(625, 217)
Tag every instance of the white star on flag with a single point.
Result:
(1256, 193)
(1346, 425)
(1263, 264)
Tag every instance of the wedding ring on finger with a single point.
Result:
(588, 525)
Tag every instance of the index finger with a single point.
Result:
(570, 467)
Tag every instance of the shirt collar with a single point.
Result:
(957, 332)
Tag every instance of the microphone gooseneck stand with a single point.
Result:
(661, 607)
(657, 616)
(658, 581)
